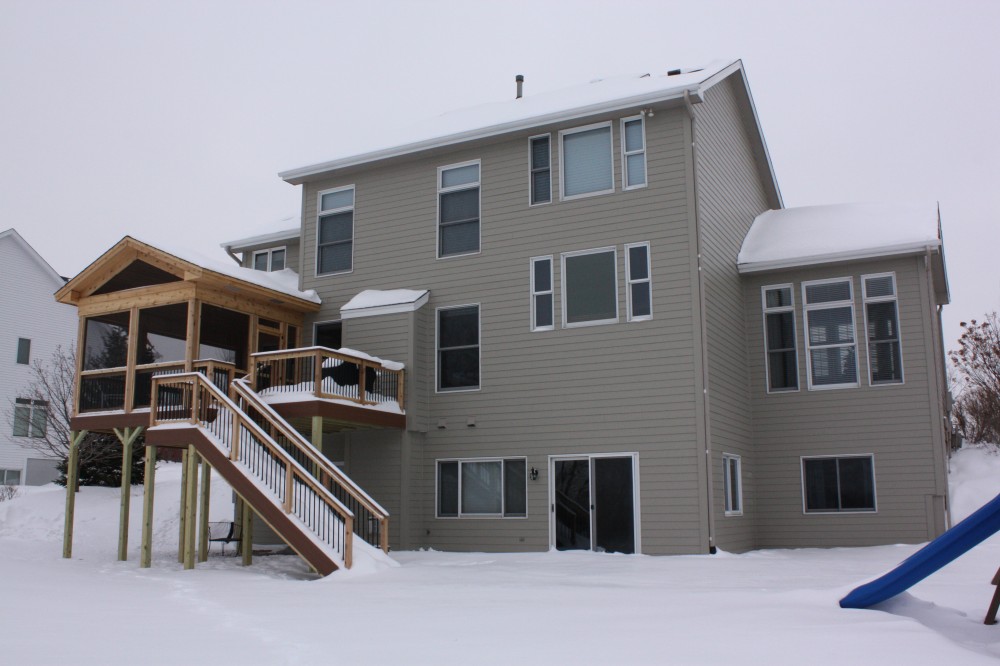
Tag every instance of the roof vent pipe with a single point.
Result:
(520, 85)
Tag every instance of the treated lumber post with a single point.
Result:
(348, 542)
(246, 534)
(72, 477)
(148, 486)
(183, 507)
(206, 491)
(317, 439)
(317, 373)
(191, 507)
(383, 535)
(127, 438)
(991, 613)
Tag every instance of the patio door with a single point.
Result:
(593, 503)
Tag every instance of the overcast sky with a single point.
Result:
(169, 121)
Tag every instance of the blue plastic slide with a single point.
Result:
(961, 538)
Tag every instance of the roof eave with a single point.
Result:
(853, 255)
(241, 244)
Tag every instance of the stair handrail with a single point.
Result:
(243, 389)
(292, 466)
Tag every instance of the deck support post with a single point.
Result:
(148, 486)
(127, 437)
(206, 491)
(246, 534)
(190, 507)
(183, 507)
(72, 480)
(317, 440)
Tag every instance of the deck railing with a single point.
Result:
(104, 390)
(330, 374)
(192, 398)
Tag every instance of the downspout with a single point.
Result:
(941, 384)
(229, 251)
(709, 489)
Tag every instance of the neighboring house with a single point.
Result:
(604, 334)
(32, 325)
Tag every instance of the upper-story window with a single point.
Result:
(587, 162)
(779, 338)
(335, 231)
(541, 169)
(23, 351)
(830, 339)
(541, 294)
(30, 417)
(639, 292)
(633, 153)
(458, 209)
(458, 348)
(885, 359)
(269, 260)
(589, 287)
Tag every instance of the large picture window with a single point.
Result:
(779, 338)
(458, 209)
(335, 231)
(830, 339)
(482, 488)
(587, 164)
(843, 483)
(458, 348)
(590, 287)
(885, 358)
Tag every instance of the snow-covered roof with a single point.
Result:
(822, 234)
(384, 301)
(600, 96)
(287, 228)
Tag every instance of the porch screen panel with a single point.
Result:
(106, 341)
(224, 336)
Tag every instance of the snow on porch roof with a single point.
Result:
(384, 301)
(821, 234)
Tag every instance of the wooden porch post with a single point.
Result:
(148, 486)
(190, 507)
(246, 534)
(317, 440)
(183, 507)
(191, 341)
(206, 491)
(127, 438)
(72, 478)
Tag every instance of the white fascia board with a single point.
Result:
(394, 308)
(296, 176)
(851, 255)
(244, 243)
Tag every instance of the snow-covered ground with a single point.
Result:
(765, 607)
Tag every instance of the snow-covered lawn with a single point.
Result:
(765, 607)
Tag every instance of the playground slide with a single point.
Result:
(961, 538)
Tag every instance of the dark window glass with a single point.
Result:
(883, 343)
(541, 174)
(448, 489)
(329, 335)
(591, 287)
(23, 351)
(162, 334)
(514, 488)
(106, 341)
(277, 260)
(459, 222)
(336, 243)
(543, 310)
(224, 336)
(458, 348)
(839, 484)
(260, 261)
(781, 357)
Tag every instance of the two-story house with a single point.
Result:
(603, 332)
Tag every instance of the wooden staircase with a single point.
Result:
(312, 505)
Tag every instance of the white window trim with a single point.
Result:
(3, 476)
(437, 349)
(850, 512)
(562, 280)
(728, 458)
(795, 335)
(629, 281)
(625, 154)
(562, 161)
(531, 170)
(807, 308)
(550, 292)
(458, 188)
(270, 252)
(899, 337)
(503, 485)
(322, 213)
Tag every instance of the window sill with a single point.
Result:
(585, 195)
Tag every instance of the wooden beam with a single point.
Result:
(246, 534)
(72, 477)
(206, 492)
(133, 346)
(141, 297)
(190, 508)
(148, 486)
(81, 353)
(191, 341)
(183, 506)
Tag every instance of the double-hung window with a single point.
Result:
(541, 294)
(586, 161)
(541, 169)
(639, 293)
(779, 338)
(269, 260)
(885, 360)
(458, 348)
(830, 339)
(335, 231)
(732, 484)
(589, 287)
(458, 209)
(30, 417)
(841, 483)
(482, 488)
(633, 153)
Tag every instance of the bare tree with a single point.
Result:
(977, 363)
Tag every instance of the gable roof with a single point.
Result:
(191, 265)
(811, 235)
(600, 96)
(12, 235)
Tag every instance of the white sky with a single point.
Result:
(170, 120)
